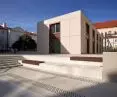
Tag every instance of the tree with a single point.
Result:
(25, 42)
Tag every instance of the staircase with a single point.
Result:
(9, 61)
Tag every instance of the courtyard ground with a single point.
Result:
(24, 82)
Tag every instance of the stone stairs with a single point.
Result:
(9, 61)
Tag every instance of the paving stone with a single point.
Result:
(22, 82)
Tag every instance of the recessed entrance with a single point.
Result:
(54, 38)
(55, 46)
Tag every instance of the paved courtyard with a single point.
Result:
(24, 82)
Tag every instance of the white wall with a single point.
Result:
(15, 34)
(43, 38)
(71, 27)
(13, 37)
(69, 33)
(110, 66)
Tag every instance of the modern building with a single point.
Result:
(71, 33)
(109, 31)
(8, 36)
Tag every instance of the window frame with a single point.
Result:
(55, 27)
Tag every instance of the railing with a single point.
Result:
(107, 44)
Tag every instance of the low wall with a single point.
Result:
(91, 72)
(110, 66)
(63, 65)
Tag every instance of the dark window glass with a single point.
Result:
(93, 34)
(109, 32)
(97, 37)
(55, 28)
(87, 46)
(52, 28)
(100, 39)
(87, 29)
(94, 42)
(58, 27)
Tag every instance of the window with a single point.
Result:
(109, 32)
(93, 34)
(93, 42)
(97, 37)
(115, 32)
(52, 28)
(87, 29)
(115, 40)
(100, 39)
(55, 28)
(58, 27)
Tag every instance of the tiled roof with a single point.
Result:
(107, 24)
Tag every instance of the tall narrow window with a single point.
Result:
(87, 29)
(93, 42)
(58, 27)
(52, 28)
(88, 40)
(93, 34)
(97, 43)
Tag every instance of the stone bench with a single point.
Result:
(90, 59)
(33, 62)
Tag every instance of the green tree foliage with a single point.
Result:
(25, 42)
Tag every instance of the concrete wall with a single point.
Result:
(110, 66)
(64, 66)
(84, 36)
(43, 38)
(69, 33)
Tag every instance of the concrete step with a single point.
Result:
(8, 64)
(9, 61)
(4, 57)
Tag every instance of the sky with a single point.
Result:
(26, 13)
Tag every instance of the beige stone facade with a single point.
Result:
(77, 35)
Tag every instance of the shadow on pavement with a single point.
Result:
(5, 88)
